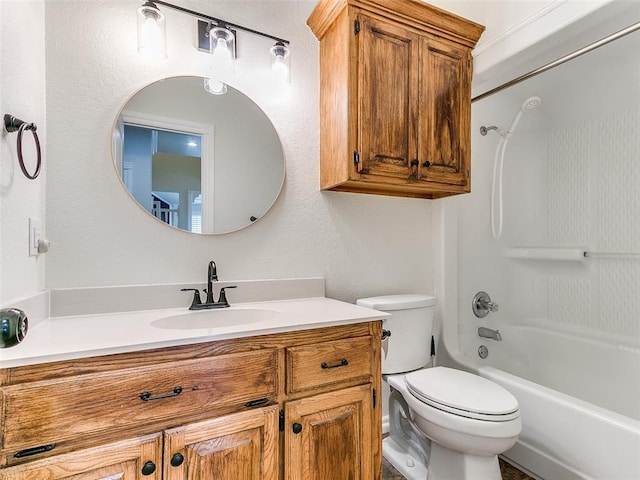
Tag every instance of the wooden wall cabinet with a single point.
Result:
(271, 407)
(395, 97)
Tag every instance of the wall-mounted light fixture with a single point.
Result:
(280, 62)
(152, 34)
(215, 36)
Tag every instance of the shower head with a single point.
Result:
(531, 103)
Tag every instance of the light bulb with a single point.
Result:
(280, 70)
(221, 53)
(215, 87)
(152, 35)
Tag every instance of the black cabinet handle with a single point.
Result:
(426, 164)
(415, 162)
(34, 451)
(255, 403)
(148, 468)
(297, 428)
(385, 334)
(146, 396)
(177, 460)
(343, 363)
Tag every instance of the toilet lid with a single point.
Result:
(462, 393)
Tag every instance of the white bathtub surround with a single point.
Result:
(89, 334)
(570, 349)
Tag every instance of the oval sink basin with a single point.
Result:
(215, 318)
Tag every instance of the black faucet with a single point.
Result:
(212, 276)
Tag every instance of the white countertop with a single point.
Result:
(81, 336)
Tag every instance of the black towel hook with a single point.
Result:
(13, 124)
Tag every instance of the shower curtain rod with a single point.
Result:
(620, 255)
(560, 61)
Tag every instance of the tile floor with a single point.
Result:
(508, 472)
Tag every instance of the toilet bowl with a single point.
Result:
(457, 421)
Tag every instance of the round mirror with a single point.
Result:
(204, 161)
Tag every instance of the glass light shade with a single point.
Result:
(222, 45)
(215, 87)
(280, 63)
(152, 33)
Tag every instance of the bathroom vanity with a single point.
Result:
(291, 396)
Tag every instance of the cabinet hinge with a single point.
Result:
(356, 27)
(281, 420)
(356, 158)
(374, 399)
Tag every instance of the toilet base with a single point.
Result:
(411, 467)
(445, 464)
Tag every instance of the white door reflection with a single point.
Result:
(163, 172)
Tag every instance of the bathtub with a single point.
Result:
(579, 396)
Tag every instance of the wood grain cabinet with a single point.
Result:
(124, 460)
(271, 407)
(238, 446)
(330, 436)
(395, 97)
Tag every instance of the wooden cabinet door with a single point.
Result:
(388, 79)
(240, 446)
(445, 116)
(135, 459)
(329, 436)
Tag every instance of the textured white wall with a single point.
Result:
(22, 93)
(593, 200)
(363, 245)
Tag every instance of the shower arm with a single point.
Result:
(484, 130)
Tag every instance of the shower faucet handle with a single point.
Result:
(482, 305)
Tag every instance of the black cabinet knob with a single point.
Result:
(148, 468)
(385, 334)
(297, 428)
(426, 164)
(177, 460)
(415, 162)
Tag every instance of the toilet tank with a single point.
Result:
(411, 324)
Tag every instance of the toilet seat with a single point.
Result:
(463, 394)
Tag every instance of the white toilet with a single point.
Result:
(444, 424)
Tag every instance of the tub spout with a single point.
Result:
(489, 333)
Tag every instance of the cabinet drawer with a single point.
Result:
(311, 366)
(52, 411)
